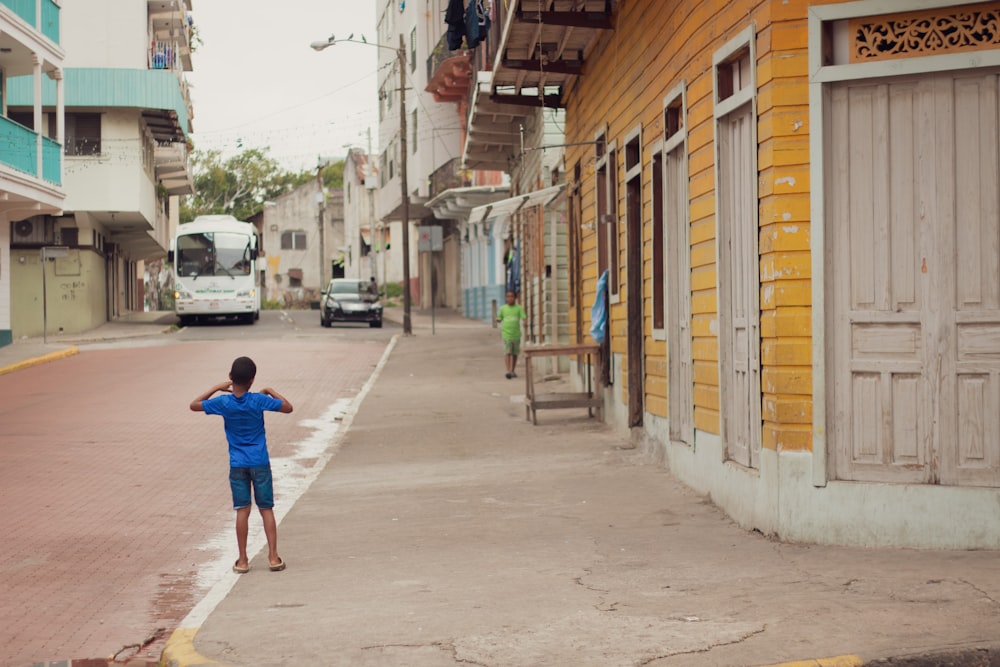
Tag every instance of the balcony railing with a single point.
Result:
(448, 176)
(165, 55)
(19, 151)
(27, 10)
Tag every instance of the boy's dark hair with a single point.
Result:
(243, 372)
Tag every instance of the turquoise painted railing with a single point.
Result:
(18, 146)
(51, 161)
(25, 9)
(50, 20)
(19, 150)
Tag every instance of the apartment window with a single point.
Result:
(601, 192)
(83, 134)
(659, 288)
(413, 50)
(414, 131)
(611, 223)
(293, 240)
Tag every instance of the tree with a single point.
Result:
(240, 185)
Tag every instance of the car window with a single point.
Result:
(344, 288)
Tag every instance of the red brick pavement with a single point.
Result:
(116, 509)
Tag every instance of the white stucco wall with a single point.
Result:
(105, 33)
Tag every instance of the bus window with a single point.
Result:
(233, 253)
(195, 255)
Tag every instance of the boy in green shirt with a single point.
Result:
(510, 316)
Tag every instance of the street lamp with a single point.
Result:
(405, 204)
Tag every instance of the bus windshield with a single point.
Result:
(213, 254)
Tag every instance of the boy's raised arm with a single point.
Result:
(286, 406)
(222, 386)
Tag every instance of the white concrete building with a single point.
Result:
(127, 118)
(31, 162)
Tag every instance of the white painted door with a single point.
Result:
(739, 280)
(913, 242)
(681, 374)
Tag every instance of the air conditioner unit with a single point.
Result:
(32, 231)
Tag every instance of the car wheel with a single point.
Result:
(375, 324)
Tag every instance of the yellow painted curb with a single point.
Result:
(179, 651)
(837, 661)
(28, 363)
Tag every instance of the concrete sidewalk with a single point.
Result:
(447, 530)
(26, 352)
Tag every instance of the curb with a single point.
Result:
(836, 661)
(45, 358)
(179, 651)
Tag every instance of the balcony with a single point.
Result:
(533, 53)
(449, 73)
(45, 22)
(20, 152)
(171, 30)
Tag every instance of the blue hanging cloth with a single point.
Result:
(599, 311)
(514, 271)
(477, 23)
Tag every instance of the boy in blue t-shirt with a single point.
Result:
(249, 463)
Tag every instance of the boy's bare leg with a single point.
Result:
(242, 528)
(271, 532)
(513, 363)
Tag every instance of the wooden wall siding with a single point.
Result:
(655, 45)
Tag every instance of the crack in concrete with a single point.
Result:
(706, 649)
(157, 634)
(980, 591)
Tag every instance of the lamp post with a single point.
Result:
(405, 203)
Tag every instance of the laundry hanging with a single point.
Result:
(454, 16)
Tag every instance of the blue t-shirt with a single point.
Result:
(244, 422)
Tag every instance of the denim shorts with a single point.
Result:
(240, 481)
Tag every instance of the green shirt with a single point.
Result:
(510, 321)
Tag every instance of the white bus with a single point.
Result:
(215, 269)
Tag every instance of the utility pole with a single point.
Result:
(407, 328)
(378, 238)
(320, 203)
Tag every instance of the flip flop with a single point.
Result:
(278, 568)
(240, 570)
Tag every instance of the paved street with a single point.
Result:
(117, 509)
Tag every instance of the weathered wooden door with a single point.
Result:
(913, 280)
(681, 373)
(635, 284)
(739, 280)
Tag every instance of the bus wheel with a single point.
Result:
(185, 320)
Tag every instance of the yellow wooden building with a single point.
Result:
(798, 206)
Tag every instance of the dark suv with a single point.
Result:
(349, 300)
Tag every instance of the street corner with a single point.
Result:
(41, 359)
(179, 651)
(836, 661)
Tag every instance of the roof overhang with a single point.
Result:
(541, 51)
(170, 165)
(542, 48)
(494, 129)
(499, 211)
(457, 203)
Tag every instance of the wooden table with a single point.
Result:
(583, 399)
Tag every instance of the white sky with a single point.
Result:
(256, 83)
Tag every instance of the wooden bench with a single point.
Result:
(548, 401)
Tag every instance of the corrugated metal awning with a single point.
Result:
(503, 209)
